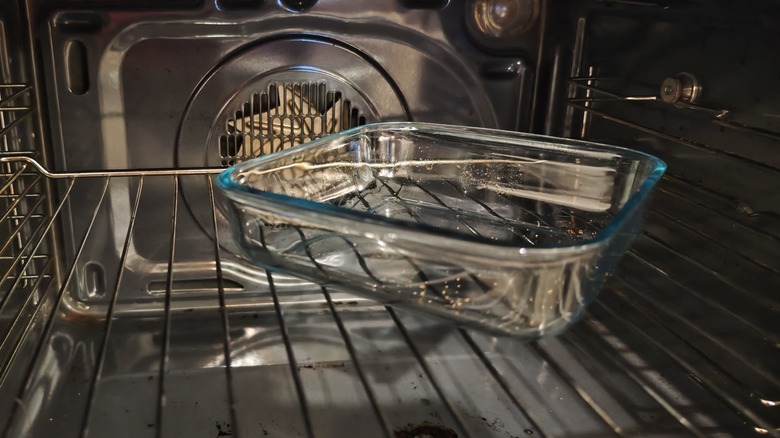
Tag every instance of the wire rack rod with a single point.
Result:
(292, 362)
(578, 388)
(20, 90)
(610, 95)
(36, 257)
(108, 324)
(16, 217)
(223, 312)
(496, 375)
(31, 276)
(109, 173)
(13, 178)
(26, 112)
(372, 399)
(427, 370)
(14, 195)
(12, 154)
(166, 334)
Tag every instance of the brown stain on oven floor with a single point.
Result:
(425, 430)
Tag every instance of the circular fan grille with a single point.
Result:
(286, 114)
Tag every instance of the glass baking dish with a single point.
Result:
(508, 232)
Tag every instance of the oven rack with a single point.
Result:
(13, 115)
(636, 363)
(719, 117)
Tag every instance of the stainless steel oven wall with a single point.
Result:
(697, 84)
(681, 341)
(159, 86)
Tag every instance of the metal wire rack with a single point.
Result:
(12, 115)
(719, 117)
(658, 353)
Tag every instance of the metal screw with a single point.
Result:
(682, 87)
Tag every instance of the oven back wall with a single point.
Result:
(207, 85)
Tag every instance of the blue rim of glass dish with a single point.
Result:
(256, 198)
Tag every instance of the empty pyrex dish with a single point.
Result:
(509, 232)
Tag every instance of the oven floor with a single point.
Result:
(578, 385)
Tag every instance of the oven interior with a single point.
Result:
(124, 310)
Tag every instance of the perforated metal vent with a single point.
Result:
(285, 115)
